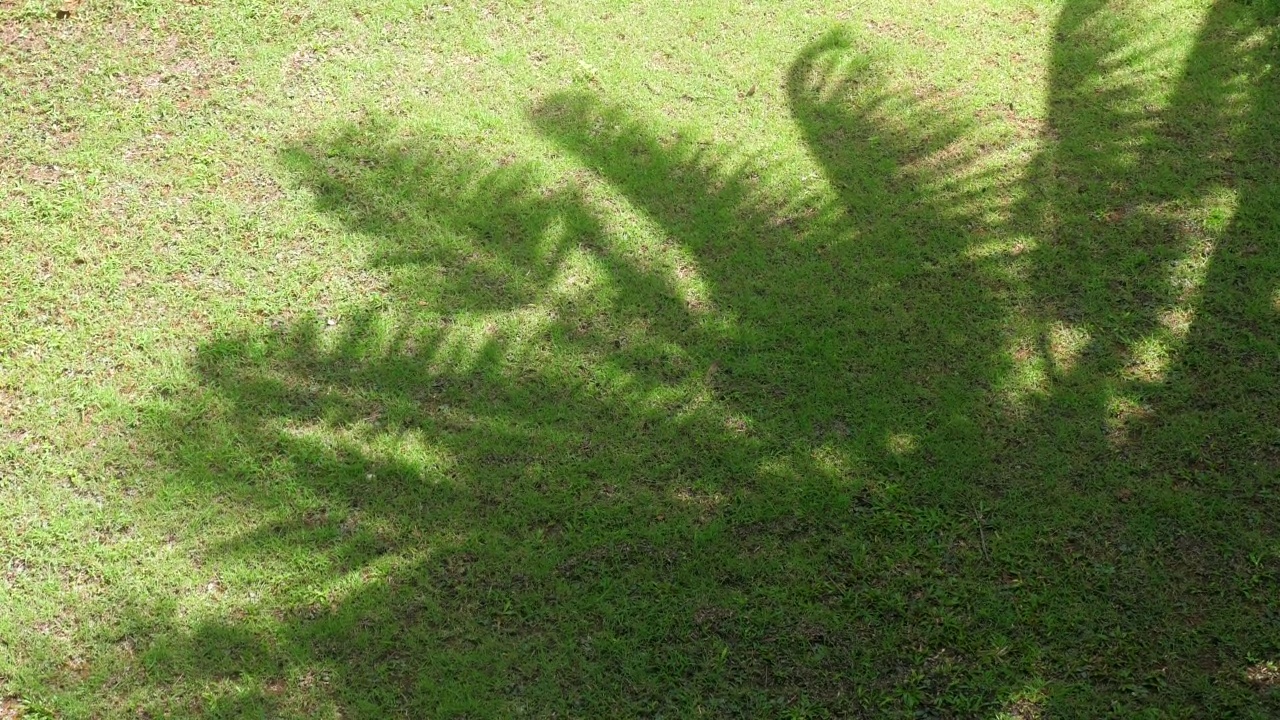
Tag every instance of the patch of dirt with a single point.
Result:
(10, 407)
(1264, 675)
(10, 709)
(29, 47)
(21, 38)
(1023, 710)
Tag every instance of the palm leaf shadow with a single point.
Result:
(859, 338)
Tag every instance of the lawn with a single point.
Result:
(607, 358)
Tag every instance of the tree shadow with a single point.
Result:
(892, 446)
(1166, 302)
(858, 311)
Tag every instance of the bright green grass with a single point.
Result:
(680, 358)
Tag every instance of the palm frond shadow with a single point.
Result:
(840, 383)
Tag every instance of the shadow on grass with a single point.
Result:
(902, 446)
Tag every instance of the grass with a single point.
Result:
(680, 359)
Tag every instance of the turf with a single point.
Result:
(684, 358)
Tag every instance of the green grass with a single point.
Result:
(640, 359)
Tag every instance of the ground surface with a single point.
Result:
(611, 359)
